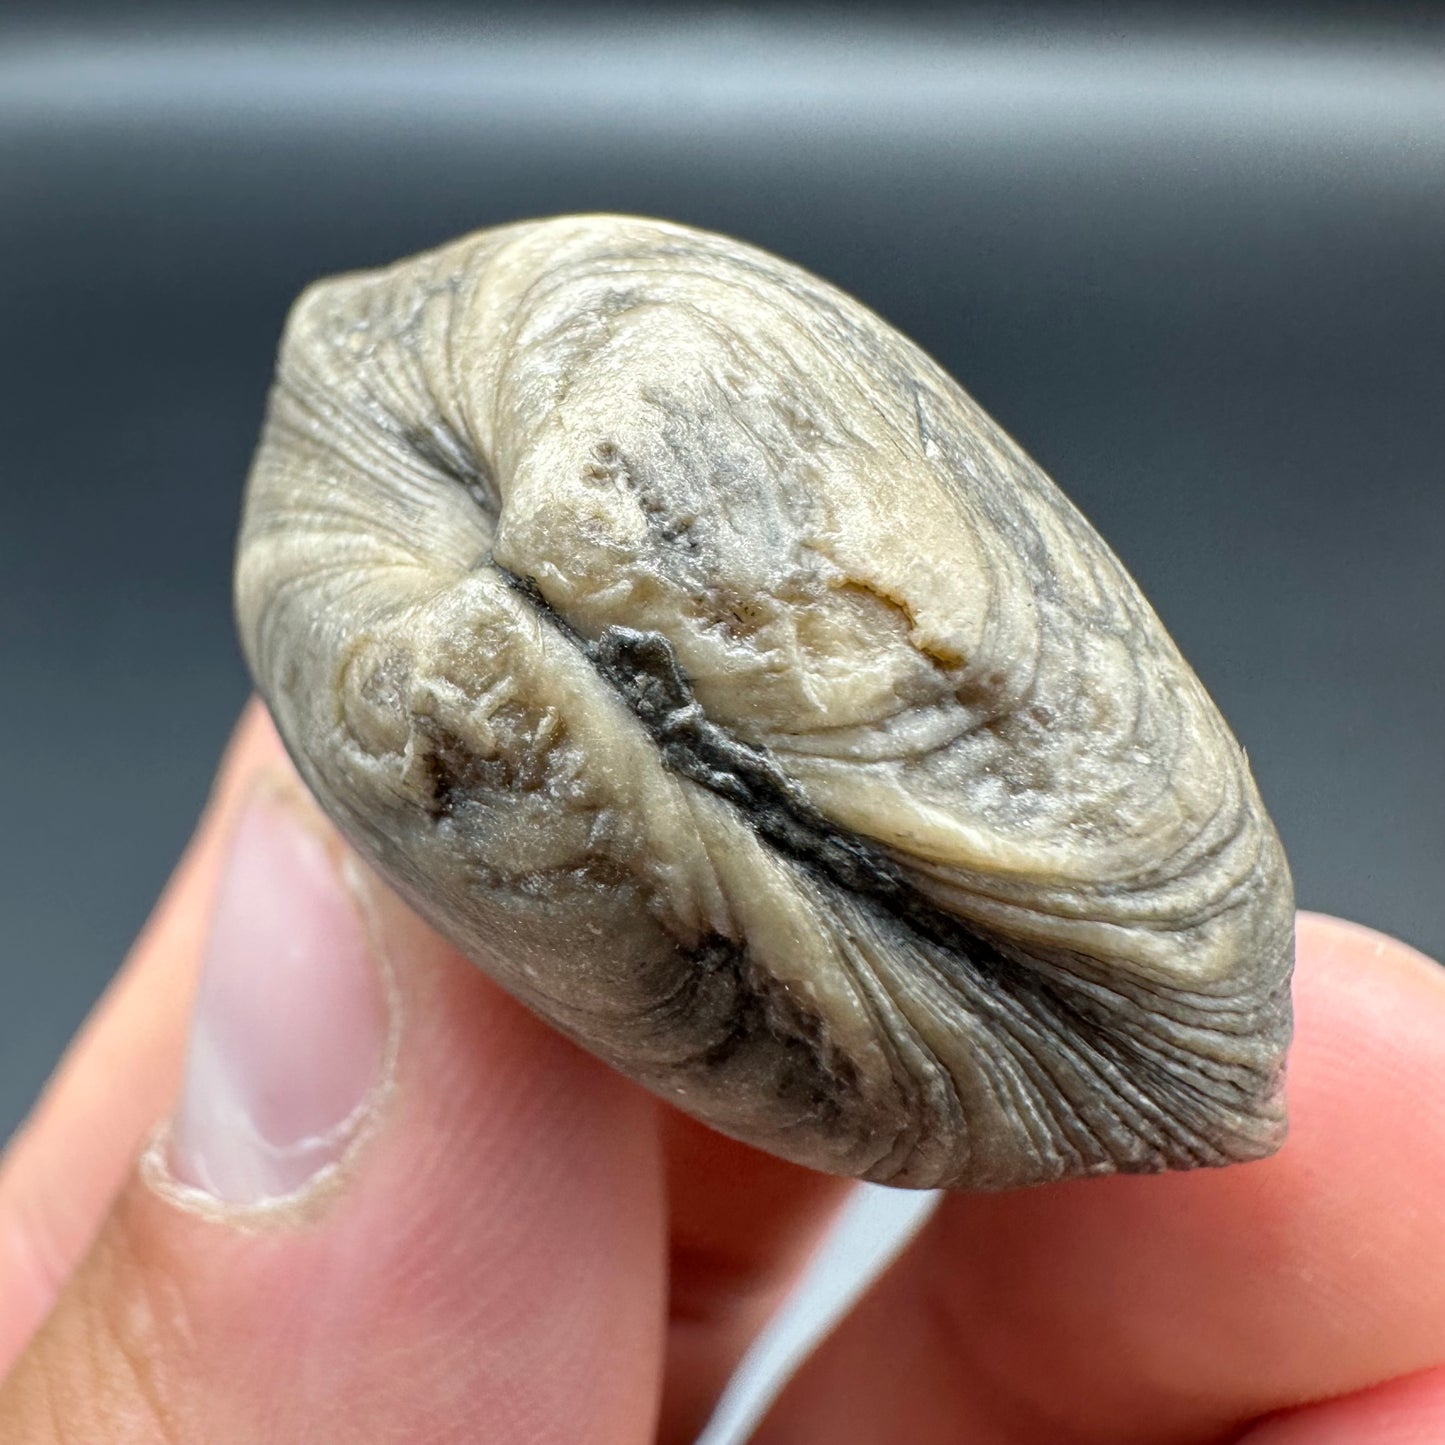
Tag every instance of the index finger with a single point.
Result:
(1180, 1308)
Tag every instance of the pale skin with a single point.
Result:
(529, 1249)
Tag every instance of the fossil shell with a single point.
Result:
(689, 648)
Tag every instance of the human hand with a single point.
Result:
(486, 1235)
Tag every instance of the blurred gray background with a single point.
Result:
(1196, 265)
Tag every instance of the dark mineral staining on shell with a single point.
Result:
(690, 649)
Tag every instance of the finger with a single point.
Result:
(391, 1205)
(119, 1076)
(1403, 1412)
(742, 1224)
(1179, 1308)
(742, 1228)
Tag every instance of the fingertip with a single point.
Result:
(1178, 1306)
(1323, 935)
(487, 1260)
(1319, 1270)
(63, 1168)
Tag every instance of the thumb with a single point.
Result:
(390, 1205)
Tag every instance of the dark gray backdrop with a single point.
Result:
(1198, 270)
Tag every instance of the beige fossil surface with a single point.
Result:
(689, 648)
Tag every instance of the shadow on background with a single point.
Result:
(1197, 271)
